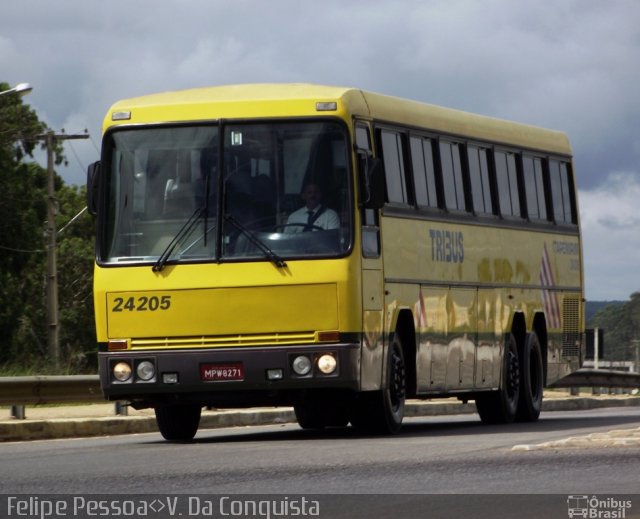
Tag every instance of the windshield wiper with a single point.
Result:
(184, 230)
(199, 239)
(273, 257)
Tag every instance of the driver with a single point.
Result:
(313, 216)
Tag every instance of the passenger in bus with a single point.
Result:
(313, 216)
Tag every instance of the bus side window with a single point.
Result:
(394, 166)
(507, 180)
(534, 188)
(424, 173)
(363, 141)
(480, 179)
(562, 192)
(370, 218)
(452, 175)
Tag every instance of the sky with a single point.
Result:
(570, 65)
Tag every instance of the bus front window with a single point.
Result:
(157, 178)
(282, 191)
(286, 184)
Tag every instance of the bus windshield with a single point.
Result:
(246, 191)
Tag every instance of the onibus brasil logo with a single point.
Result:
(596, 507)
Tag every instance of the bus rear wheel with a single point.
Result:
(531, 380)
(178, 423)
(501, 406)
(382, 411)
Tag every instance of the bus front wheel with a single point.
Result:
(178, 422)
(501, 406)
(382, 411)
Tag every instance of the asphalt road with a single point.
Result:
(432, 455)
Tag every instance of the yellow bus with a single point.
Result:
(334, 250)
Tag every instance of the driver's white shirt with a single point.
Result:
(327, 220)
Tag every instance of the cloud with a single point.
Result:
(611, 237)
(569, 65)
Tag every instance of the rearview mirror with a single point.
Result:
(93, 181)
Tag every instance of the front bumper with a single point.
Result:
(255, 388)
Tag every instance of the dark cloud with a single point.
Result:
(570, 65)
(611, 229)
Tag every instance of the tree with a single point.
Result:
(22, 250)
(75, 279)
(22, 210)
(621, 324)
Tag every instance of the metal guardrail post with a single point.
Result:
(121, 409)
(17, 412)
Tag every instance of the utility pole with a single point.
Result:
(53, 327)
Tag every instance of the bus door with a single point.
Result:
(372, 281)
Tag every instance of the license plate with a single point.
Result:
(222, 371)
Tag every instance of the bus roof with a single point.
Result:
(300, 99)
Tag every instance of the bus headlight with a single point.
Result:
(122, 371)
(301, 365)
(146, 370)
(327, 364)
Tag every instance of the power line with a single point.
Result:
(11, 249)
(94, 145)
(22, 200)
(73, 150)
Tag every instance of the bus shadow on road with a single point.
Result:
(463, 425)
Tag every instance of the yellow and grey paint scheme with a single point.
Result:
(453, 287)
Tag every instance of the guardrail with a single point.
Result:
(600, 378)
(50, 389)
(20, 391)
(40, 389)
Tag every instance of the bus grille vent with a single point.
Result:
(227, 341)
(571, 327)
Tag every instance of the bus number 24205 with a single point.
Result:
(141, 304)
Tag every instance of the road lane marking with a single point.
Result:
(615, 438)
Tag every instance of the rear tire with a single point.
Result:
(382, 411)
(501, 406)
(178, 422)
(531, 380)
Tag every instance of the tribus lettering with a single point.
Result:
(447, 246)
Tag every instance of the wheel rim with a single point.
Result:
(535, 375)
(513, 374)
(397, 382)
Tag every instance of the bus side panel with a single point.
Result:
(373, 330)
(489, 338)
(431, 312)
(462, 339)
(372, 350)
(466, 283)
